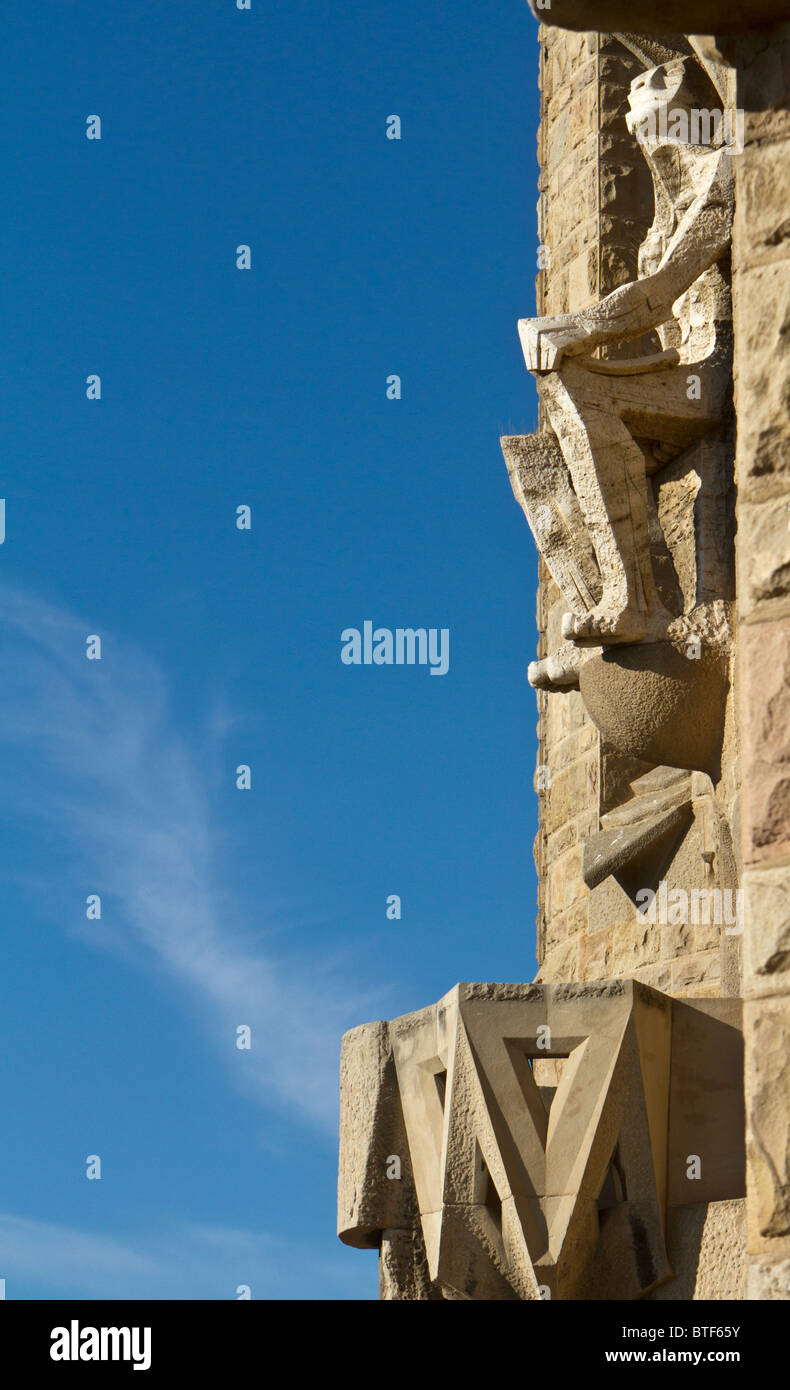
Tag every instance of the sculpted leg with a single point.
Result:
(608, 472)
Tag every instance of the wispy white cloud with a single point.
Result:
(186, 1261)
(103, 765)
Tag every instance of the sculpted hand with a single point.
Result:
(545, 341)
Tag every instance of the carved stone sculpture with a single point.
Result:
(591, 484)
(527, 1141)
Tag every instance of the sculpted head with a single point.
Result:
(660, 87)
(671, 103)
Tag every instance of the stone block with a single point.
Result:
(706, 1102)
(767, 1084)
(762, 219)
(706, 1244)
(768, 1280)
(764, 708)
(698, 975)
(762, 373)
(764, 552)
(767, 934)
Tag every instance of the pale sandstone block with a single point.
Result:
(767, 933)
(707, 1250)
(767, 1037)
(764, 705)
(762, 221)
(762, 369)
(764, 536)
(697, 975)
(656, 976)
(768, 1280)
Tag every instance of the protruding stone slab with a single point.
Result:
(672, 17)
(541, 1131)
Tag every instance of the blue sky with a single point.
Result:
(265, 387)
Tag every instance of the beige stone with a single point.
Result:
(543, 1124)
(764, 701)
(767, 1033)
(767, 911)
(768, 1280)
(707, 1250)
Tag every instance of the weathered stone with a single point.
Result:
(768, 1279)
(764, 535)
(762, 373)
(762, 221)
(543, 1126)
(764, 700)
(767, 911)
(707, 1250)
(767, 1035)
(652, 701)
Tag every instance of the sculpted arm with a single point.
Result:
(701, 238)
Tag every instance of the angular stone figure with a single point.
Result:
(525, 1141)
(618, 421)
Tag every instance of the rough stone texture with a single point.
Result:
(761, 262)
(403, 1268)
(581, 776)
(592, 247)
(768, 1279)
(767, 946)
(651, 701)
(767, 1026)
(592, 934)
(368, 1201)
(706, 1244)
(765, 722)
(548, 1130)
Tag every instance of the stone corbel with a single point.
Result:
(669, 17)
(528, 1141)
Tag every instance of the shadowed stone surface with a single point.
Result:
(695, 16)
(655, 703)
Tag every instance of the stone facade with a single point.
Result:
(590, 247)
(761, 265)
(662, 679)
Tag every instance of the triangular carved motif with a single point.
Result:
(516, 1187)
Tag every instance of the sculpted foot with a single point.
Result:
(604, 625)
(560, 671)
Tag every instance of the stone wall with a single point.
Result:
(568, 225)
(596, 204)
(762, 383)
(579, 934)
